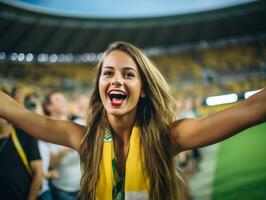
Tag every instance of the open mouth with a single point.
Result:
(117, 97)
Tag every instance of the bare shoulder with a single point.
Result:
(180, 130)
(76, 134)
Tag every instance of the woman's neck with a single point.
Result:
(121, 126)
(121, 131)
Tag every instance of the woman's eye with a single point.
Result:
(107, 73)
(128, 75)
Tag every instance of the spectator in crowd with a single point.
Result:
(21, 166)
(189, 110)
(64, 160)
(32, 102)
(79, 109)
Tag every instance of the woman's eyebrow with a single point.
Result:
(129, 68)
(109, 67)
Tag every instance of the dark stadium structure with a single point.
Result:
(29, 31)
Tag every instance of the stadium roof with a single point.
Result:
(29, 28)
(122, 8)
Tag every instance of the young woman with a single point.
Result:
(127, 149)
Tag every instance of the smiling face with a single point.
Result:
(120, 84)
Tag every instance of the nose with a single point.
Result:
(117, 80)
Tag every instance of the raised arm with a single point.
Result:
(65, 133)
(193, 133)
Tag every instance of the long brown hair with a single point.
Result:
(155, 113)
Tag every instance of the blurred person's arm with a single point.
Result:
(57, 156)
(37, 176)
(61, 132)
(52, 174)
(193, 133)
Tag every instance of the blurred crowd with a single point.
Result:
(34, 169)
(188, 161)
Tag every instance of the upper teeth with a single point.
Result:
(117, 92)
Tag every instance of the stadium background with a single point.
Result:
(204, 49)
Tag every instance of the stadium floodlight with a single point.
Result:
(69, 57)
(21, 57)
(53, 58)
(250, 93)
(14, 56)
(92, 57)
(60, 57)
(43, 57)
(99, 56)
(2, 55)
(221, 99)
(29, 57)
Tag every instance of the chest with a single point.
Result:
(121, 154)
